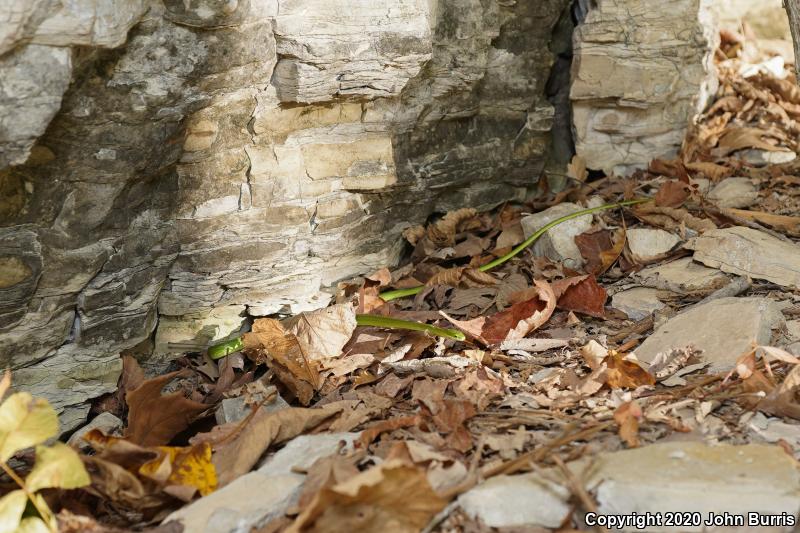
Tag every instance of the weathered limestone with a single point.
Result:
(724, 329)
(211, 160)
(749, 252)
(642, 69)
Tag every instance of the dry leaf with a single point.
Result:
(672, 194)
(581, 294)
(626, 374)
(393, 496)
(627, 416)
(600, 249)
(737, 138)
(153, 418)
(782, 401)
(238, 445)
(593, 354)
(577, 169)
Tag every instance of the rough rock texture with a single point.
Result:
(181, 165)
(683, 276)
(255, 498)
(642, 70)
(638, 303)
(233, 158)
(749, 252)
(724, 329)
(734, 192)
(558, 243)
(649, 244)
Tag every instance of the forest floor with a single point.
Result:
(641, 358)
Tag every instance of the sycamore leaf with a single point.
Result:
(25, 421)
(12, 506)
(737, 138)
(57, 466)
(153, 418)
(393, 496)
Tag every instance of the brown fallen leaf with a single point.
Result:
(712, 171)
(393, 496)
(373, 432)
(672, 194)
(786, 223)
(581, 294)
(782, 401)
(625, 374)
(443, 232)
(600, 249)
(737, 138)
(627, 416)
(462, 277)
(154, 418)
(238, 445)
(295, 346)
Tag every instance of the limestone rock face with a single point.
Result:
(642, 70)
(170, 167)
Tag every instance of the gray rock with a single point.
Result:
(235, 409)
(772, 430)
(681, 276)
(648, 244)
(105, 422)
(724, 329)
(762, 158)
(734, 192)
(748, 252)
(694, 477)
(638, 303)
(517, 501)
(558, 243)
(255, 498)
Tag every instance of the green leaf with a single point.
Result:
(25, 422)
(33, 524)
(57, 466)
(12, 506)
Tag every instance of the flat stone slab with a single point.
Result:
(676, 477)
(681, 276)
(724, 329)
(517, 501)
(638, 303)
(695, 477)
(734, 192)
(259, 496)
(748, 252)
(648, 244)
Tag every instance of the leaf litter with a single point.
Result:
(547, 373)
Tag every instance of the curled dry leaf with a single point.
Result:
(393, 496)
(154, 418)
(514, 322)
(782, 401)
(238, 445)
(294, 347)
(581, 294)
(672, 194)
(593, 354)
(737, 138)
(443, 232)
(625, 374)
(600, 249)
(627, 416)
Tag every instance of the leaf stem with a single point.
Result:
(402, 293)
(45, 514)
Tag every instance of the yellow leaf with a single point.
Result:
(25, 422)
(11, 507)
(185, 466)
(57, 466)
(33, 524)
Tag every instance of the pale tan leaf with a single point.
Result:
(25, 421)
(57, 466)
(12, 506)
(780, 355)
